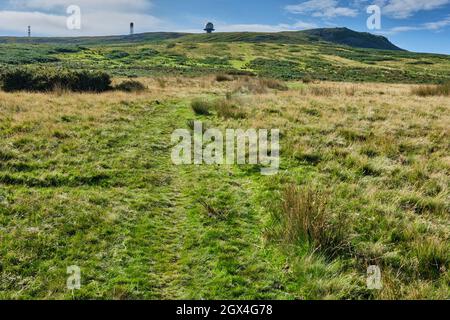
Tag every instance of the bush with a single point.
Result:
(307, 79)
(279, 69)
(201, 107)
(426, 91)
(130, 86)
(116, 54)
(42, 80)
(148, 52)
(66, 49)
(224, 77)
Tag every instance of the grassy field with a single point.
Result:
(87, 180)
(317, 61)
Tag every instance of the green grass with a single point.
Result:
(110, 201)
(292, 61)
(87, 180)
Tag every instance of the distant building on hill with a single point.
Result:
(209, 27)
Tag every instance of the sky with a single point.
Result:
(415, 25)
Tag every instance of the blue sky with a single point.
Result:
(416, 25)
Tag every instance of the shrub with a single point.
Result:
(306, 217)
(130, 86)
(307, 79)
(426, 91)
(224, 77)
(86, 81)
(215, 61)
(43, 79)
(201, 107)
(116, 54)
(279, 69)
(148, 52)
(66, 49)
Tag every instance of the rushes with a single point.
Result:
(259, 85)
(225, 108)
(427, 91)
(433, 257)
(306, 217)
(130, 86)
(229, 109)
(224, 77)
(273, 84)
(201, 107)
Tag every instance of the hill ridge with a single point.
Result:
(340, 36)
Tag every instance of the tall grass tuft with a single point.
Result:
(229, 109)
(201, 107)
(259, 85)
(273, 84)
(427, 91)
(433, 256)
(306, 217)
(130, 86)
(224, 77)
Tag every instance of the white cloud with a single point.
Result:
(304, 25)
(322, 8)
(431, 26)
(48, 17)
(403, 29)
(92, 23)
(267, 28)
(224, 27)
(402, 9)
(438, 24)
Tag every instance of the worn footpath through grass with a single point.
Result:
(98, 190)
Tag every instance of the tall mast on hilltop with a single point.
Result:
(131, 28)
(29, 31)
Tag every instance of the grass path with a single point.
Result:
(189, 254)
